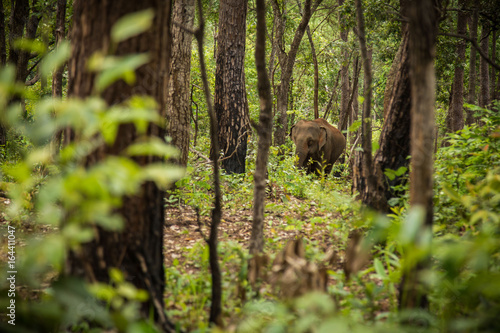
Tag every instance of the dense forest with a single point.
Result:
(249, 166)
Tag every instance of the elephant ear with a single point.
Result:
(291, 132)
(322, 137)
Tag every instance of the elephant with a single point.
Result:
(318, 145)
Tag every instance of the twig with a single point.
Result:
(207, 160)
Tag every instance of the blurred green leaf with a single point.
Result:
(55, 59)
(113, 69)
(30, 45)
(132, 25)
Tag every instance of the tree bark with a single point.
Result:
(344, 73)
(471, 95)
(287, 62)
(394, 141)
(230, 103)
(59, 33)
(264, 130)
(3, 45)
(3, 61)
(423, 31)
(20, 20)
(354, 98)
(484, 75)
(216, 307)
(493, 71)
(365, 180)
(179, 88)
(455, 116)
(316, 73)
(138, 250)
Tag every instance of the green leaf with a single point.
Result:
(451, 193)
(379, 268)
(389, 173)
(162, 174)
(355, 125)
(401, 171)
(115, 68)
(153, 146)
(412, 225)
(30, 45)
(132, 25)
(116, 275)
(375, 146)
(55, 59)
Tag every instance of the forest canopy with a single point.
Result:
(249, 166)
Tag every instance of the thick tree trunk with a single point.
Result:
(3, 60)
(484, 75)
(423, 30)
(471, 95)
(179, 89)
(138, 250)
(455, 116)
(394, 139)
(230, 103)
(264, 130)
(287, 62)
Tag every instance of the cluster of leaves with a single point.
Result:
(470, 155)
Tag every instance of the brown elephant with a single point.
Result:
(318, 145)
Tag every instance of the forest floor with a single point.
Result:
(325, 229)
(182, 230)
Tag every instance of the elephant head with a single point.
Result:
(318, 141)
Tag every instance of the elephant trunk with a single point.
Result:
(302, 153)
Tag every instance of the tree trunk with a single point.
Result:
(18, 17)
(138, 250)
(365, 180)
(484, 75)
(455, 116)
(20, 20)
(316, 73)
(287, 62)
(471, 95)
(344, 74)
(179, 92)
(423, 31)
(354, 98)
(3, 61)
(215, 307)
(3, 45)
(264, 130)
(59, 37)
(493, 71)
(394, 141)
(230, 102)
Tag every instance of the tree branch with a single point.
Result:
(475, 44)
